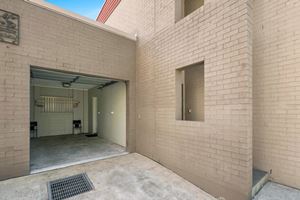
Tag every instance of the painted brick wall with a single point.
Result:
(216, 154)
(276, 135)
(124, 18)
(51, 40)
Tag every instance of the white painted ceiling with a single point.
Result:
(47, 78)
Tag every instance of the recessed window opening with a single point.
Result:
(185, 7)
(190, 93)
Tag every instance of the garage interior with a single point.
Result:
(74, 119)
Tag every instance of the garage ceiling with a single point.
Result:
(48, 78)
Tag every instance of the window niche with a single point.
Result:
(185, 7)
(190, 93)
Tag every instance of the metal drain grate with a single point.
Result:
(69, 187)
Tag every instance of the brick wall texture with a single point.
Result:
(53, 41)
(163, 46)
(124, 17)
(276, 86)
(215, 154)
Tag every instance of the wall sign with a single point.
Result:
(9, 27)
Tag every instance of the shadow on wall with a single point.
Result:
(111, 112)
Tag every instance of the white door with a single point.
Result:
(95, 115)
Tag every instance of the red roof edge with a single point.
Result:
(107, 9)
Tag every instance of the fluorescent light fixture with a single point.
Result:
(66, 85)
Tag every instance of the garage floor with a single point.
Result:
(128, 177)
(58, 151)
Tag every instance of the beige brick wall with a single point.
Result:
(124, 18)
(276, 135)
(215, 154)
(51, 40)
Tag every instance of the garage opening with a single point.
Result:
(75, 118)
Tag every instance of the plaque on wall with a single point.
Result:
(9, 27)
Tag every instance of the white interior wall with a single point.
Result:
(111, 112)
(50, 124)
(81, 112)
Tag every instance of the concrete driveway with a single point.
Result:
(128, 177)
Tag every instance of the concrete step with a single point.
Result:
(260, 178)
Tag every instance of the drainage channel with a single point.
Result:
(70, 186)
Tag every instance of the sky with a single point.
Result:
(87, 8)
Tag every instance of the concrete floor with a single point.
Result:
(128, 177)
(274, 191)
(58, 151)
